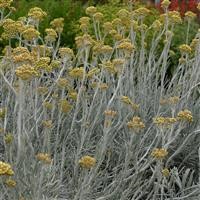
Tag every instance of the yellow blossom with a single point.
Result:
(164, 121)
(184, 48)
(30, 33)
(62, 82)
(91, 10)
(10, 182)
(110, 113)
(87, 162)
(66, 53)
(136, 124)
(76, 72)
(159, 153)
(185, 115)
(47, 123)
(44, 157)
(65, 106)
(58, 24)
(26, 72)
(165, 172)
(5, 169)
(37, 13)
(51, 35)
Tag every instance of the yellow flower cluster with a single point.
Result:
(87, 162)
(164, 121)
(84, 41)
(51, 35)
(126, 46)
(116, 35)
(44, 157)
(165, 172)
(21, 55)
(10, 182)
(189, 15)
(65, 106)
(37, 14)
(141, 12)
(73, 95)
(5, 3)
(185, 115)
(98, 16)
(123, 14)
(105, 49)
(58, 24)
(107, 26)
(127, 100)
(157, 25)
(5, 169)
(174, 17)
(76, 72)
(184, 48)
(91, 10)
(136, 124)
(66, 53)
(26, 72)
(194, 43)
(47, 123)
(159, 153)
(62, 82)
(93, 72)
(12, 28)
(43, 64)
(110, 113)
(109, 67)
(30, 33)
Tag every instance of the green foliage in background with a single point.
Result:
(72, 10)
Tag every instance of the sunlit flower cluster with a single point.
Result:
(6, 169)
(136, 124)
(159, 153)
(87, 162)
(37, 14)
(26, 72)
(185, 115)
(44, 157)
(10, 183)
(164, 121)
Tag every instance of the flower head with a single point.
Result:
(136, 124)
(44, 157)
(5, 169)
(159, 153)
(87, 162)
(10, 182)
(185, 115)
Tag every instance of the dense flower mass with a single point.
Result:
(5, 169)
(44, 157)
(159, 153)
(103, 111)
(87, 162)
(185, 115)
